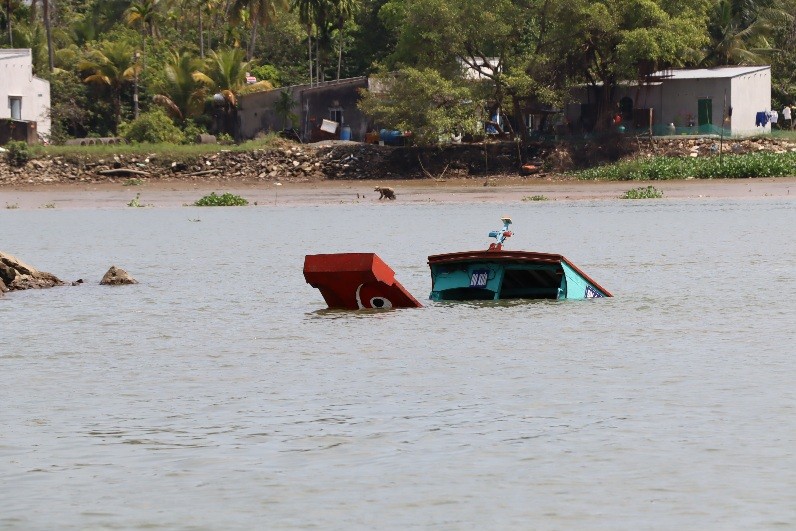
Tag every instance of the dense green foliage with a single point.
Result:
(176, 54)
(225, 199)
(152, 127)
(713, 167)
(17, 153)
(425, 103)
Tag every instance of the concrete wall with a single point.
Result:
(320, 101)
(256, 111)
(17, 81)
(679, 99)
(312, 105)
(751, 93)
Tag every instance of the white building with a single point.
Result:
(695, 101)
(23, 96)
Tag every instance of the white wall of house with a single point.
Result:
(751, 93)
(23, 96)
(680, 100)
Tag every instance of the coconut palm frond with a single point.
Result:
(171, 107)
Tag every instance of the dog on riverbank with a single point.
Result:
(385, 191)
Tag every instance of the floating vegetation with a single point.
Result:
(535, 198)
(713, 167)
(133, 182)
(136, 201)
(12, 206)
(648, 192)
(226, 199)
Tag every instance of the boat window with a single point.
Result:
(531, 284)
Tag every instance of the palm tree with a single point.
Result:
(48, 30)
(307, 12)
(226, 73)
(32, 36)
(112, 67)
(11, 6)
(283, 108)
(343, 10)
(144, 13)
(203, 6)
(740, 31)
(185, 88)
(227, 69)
(260, 12)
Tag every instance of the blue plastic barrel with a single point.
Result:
(345, 133)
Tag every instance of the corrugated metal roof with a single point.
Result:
(14, 53)
(709, 73)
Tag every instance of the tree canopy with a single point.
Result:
(507, 54)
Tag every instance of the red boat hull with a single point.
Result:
(355, 281)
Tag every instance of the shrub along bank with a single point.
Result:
(714, 167)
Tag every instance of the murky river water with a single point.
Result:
(219, 394)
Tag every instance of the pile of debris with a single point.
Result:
(290, 162)
(711, 146)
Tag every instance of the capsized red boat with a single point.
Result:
(355, 281)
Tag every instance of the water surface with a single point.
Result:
(220, 394)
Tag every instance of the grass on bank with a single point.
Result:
(174, 151)
(711, 167)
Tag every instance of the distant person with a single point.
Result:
(787, 120)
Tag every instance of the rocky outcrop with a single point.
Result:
(17, 275)
(117, 276)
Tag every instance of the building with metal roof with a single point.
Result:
(732, 100)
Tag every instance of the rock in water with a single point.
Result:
(116, 277)
(17, 275)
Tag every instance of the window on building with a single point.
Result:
(336, 114)
(15, 104)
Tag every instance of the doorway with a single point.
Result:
(704, 112)
(15, 104)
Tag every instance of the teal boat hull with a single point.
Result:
(498, 274)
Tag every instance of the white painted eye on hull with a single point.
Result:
(381, 303)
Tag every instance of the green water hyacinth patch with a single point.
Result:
(714, 167)
(650, 192)
(226, 199)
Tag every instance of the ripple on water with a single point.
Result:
(218, 393)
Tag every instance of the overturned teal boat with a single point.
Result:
(496, 274)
